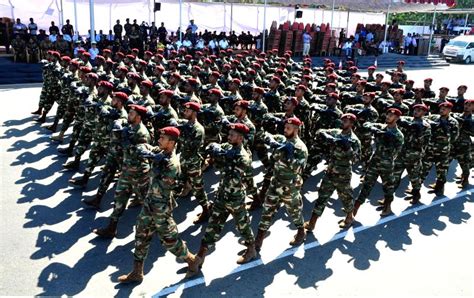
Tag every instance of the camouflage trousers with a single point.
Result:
(113, 162)
(191, 172)
(83, 141)
(261, 150)
(69, 114)
(410, 161)
(288, 193)
(341, 182)
(53, 93)
(375, 168)
(366, 151)
(129, 181)
(223, 206)
(62, 103)
(438, 158)
(462, 152)
(156, 217)
(98, 150)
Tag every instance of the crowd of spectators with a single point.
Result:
(29, 43)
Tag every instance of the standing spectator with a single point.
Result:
(223, 43)
(42, 35)
(162, 33)
(135, 41)
(32, 27)
(136, 26)
(53, 29)
(342, 37)
(407, 43)
(127, 27)
(153, 29)
(118, 30)
(67, 29)
(370, 37)
(306, 43)
(414, 46)
(347, 48)
(19, 29)
(213, 45)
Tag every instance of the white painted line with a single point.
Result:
(292, 251)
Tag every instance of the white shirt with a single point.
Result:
(200, 44)
(223, 43)
(93, 52)
(187, 43)
(52, 37)
(212, 44)
(67, 37)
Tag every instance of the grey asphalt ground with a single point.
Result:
(47, 249)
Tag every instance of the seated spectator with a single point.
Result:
(94, 51)
(32, 50)
(18, 46)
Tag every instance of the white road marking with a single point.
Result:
(292, 251)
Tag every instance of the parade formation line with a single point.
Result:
(292, 251)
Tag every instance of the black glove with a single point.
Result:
(289, 150)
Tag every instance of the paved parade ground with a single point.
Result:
(47, 247)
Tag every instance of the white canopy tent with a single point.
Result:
(222, 16)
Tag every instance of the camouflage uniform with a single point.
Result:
(191, 141)
(285, 186)
(134, 177)
(235, 165)
(114, 157)
(444, 133)
(417, 134)
(462, 147)
(338, 173)
(157, 212)
(388, 143)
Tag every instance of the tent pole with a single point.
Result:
(110, 16)
(225, 13)
(347, 26)
(386, 28)
(180, 21)
(75, 17)
(91, 12)
(264, 25)
(465, 22)
(432, 31)
(61, 22)
(231, 15)
(332, 13)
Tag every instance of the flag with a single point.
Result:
(340, 64)
(375, 63)
(49, 12)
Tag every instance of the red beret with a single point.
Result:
(333, 95)
(421, 106)
(444, 88)
(227, 66)
(399, 91)
(168, 93)
(120, 54)
(75, 63)
(230, 51)
(256, 65)
(307, 78)
(469, 101)
(387, 83)
(148, 53)
(85, 69)
(349, 116)
(332, 76)
(235, 61)
(262, 54)
(192, 81)
(207, 60)
(276, 79)
(160, 67)
(198, 53)
(133, 75)
(401, 62)
(397, 74)
(280, 71)
(87, 54)
(100, 57)
(363, 83)
(215, 91)
(302, 87)
(159, 56)
(143, 62)
(240, 127)
(463, 86)
(251, 72)
(106, 84)
(193, 106)
(394, 111)
(446, 104)
(176, 75)
(147, 83)
(92, 75)
(121, 95)
(66, 58)
(372, 67)
(242, 103)
(429, 80)
(353, 68)
(236, 81)
(370, 94)
(122, 68)
(130, 56)
(331, 85)
(135, 50)
(171, 131)
(173, 52)
(80, 51)
(293, 100)
(294, 121)
(411, 82)
(107, 51)
(197, 67)
(259, 90)
(161, 51)
(356, 75)
(348, 62)
(188, 57)
(139, 109)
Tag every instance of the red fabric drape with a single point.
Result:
(450, 3)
